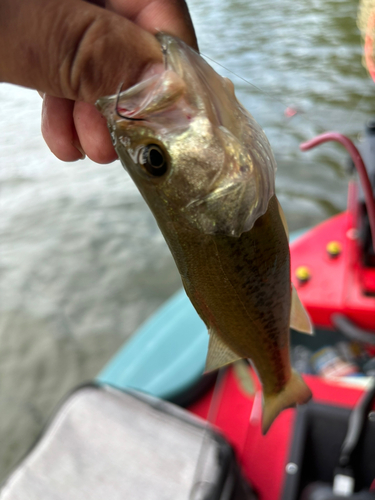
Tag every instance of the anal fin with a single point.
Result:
(219, 354)
(299, 319)
(244, 377)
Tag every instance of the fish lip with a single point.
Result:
(149, 78)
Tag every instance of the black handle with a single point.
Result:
(352, 331)
(357, 420)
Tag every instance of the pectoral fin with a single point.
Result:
(299, 319)
(219, 353)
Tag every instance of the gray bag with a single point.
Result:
(106, 444)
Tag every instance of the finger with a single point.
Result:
(170, 16)
(93, 133)
(58, 128)
(72, 130)
(75, 50)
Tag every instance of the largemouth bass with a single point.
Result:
(207, 172)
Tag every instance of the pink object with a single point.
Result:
(290, 111)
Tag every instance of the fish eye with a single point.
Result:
(152, 158)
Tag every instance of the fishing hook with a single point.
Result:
(164, 51)
(118, 112)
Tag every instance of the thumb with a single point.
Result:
(71, 49)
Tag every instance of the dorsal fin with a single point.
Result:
(299, 319)
(219, 354)
(283, 219)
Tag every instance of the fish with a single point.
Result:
(207, 172)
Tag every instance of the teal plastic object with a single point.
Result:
(167, 354)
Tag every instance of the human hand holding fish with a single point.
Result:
(73, 52)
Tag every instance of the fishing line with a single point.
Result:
(307, 118)
(262, 91)
(247, 81)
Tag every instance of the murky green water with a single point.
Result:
(82, 262)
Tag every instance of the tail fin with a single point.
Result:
(295, 392)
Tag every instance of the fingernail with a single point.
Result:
(78, 146)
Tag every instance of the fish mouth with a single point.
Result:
(181, 77)
(160, 88)
(148, 97)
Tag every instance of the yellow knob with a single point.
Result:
(303, 273)
(334, 248)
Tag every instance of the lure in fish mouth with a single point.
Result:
(207, 172)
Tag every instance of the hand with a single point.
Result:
(74, 52)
